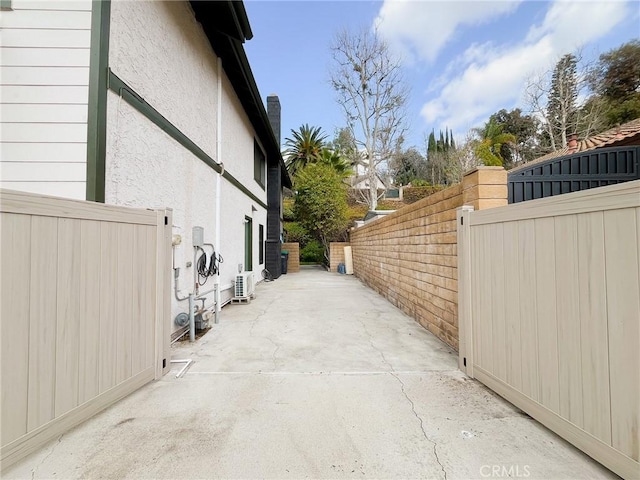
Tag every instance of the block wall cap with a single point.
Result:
(482, 167)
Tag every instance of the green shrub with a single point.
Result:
(294, 232)
(287, 210)
(312, 252)
(418, 182)
(356, 212)
(321, 202)
(389, 205)
(413, 194)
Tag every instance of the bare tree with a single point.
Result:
(463, 158)
(370, 88)
(559, 99)
(536, 94)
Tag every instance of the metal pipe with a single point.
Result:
(179, 337)
(228, 300)
(200, 295)
(218, 185)
(176, 274)
(195, 271)
(192, 320)
(184, 369)
(216, 298)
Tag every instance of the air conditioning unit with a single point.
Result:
(244, 285)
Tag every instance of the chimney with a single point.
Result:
(273, 112)
(573, 142)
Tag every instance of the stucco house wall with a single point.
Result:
(160, 51)
(44, 79)
(163, 81)
(232, 237)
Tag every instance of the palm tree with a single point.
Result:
(492, 139)
(337, 161)
(304, 147)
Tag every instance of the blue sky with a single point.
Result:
(463, 60)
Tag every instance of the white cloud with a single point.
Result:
(486, 78)
(480, 87)
(420, 31)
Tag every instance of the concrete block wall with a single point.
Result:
(293, 263)
(410, 256)
(336, 254)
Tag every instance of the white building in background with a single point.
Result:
(146, 104)
(360, 179)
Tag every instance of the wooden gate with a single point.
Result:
(85, 312)
(549, 308)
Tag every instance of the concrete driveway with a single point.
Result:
(319, 377)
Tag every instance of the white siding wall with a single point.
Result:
(44, 78)
(163, 54)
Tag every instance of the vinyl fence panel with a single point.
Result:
(84, 317)
(554, 318)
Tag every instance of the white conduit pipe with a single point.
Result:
(192, 317)
(184, 369)
(192, 320)
(218, 187)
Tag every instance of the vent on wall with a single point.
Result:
(244, 285)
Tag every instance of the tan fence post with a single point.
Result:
(465, 317)
(163, 292)
(482, 188)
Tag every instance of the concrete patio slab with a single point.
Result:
(318, 377)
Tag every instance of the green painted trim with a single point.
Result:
(136, 101)
(234, 181)
(5, 5)
(97, 109)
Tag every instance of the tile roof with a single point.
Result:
(608, 137)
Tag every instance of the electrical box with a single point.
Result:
(198, 236)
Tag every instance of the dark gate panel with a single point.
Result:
(572, 173)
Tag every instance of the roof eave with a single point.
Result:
(226, 25)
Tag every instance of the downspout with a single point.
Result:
(192, 320)
(192, 315)
(218, 185)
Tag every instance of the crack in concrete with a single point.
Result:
(274, 354)
(370, 337)
(275, 350)
(255, 321)
(253, 325)
(262, 313)
(393, 373)
(44, 459)
(424, 433)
